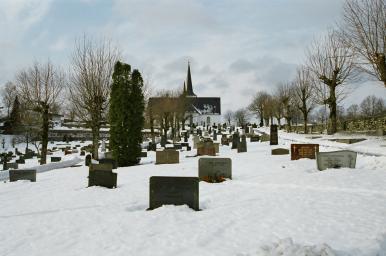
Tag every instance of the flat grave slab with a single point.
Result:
(348, 141)
(304, 151)
(55, 159)
(174, 191)
(280, 151)
(214, 168)
(20, 174)
(336, 159)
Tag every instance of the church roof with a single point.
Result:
(189, 89)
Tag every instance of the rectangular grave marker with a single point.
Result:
(109, 161)
(214, 168)
(336, 159)
(102, 178)
(15, 175)
(167, 156)
(174, 191)
(55, 159)
(274, 140)
(304, 151)
(280, 151)
(12, 165)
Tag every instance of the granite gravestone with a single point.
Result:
(174, 191)
(213, 168)
(214, 135)
(101, 167)
(235, 140)
(196, 139)
(216, 147)
(224, 140)
(55, 159)
(167, 156)
(100, 176)
(273, 135)
(12, 165)
(242, 146)
(280, 151)
(15, 175)
(265, 137)
(304, 151)
(206, 148)
(87, 160)
(109, 161)
(336, 159)
(254, 138)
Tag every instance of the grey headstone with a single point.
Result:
(336, 159)
(168, 156)
(88, 160)
(280, 151)
(13, 165)
(242, 146)
(214, 167)
(265, 137)
(55, 159)
(101, 167)
(235, 140)
(109, 161)
(143, 153)
(174, 191)
(15, 175)
(273, 135)
(102, 178)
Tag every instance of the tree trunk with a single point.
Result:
(332, 127)
(43, 159)
(95, 140)
(261, 121)
(305, 116)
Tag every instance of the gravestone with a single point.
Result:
(206, 148)
(15, 175)
(152, 146)
(336, 159)
(88, 160)
(12, 165)
(167, 156)
(280, 151)
(265, 137)
(21, 160)
(216, 147)
(273, 135)
(304, 151)
(235, 140)
(185, 136)
(254, 138)
(174, 191)
(224, 140)
(214, 135)
(143, 153)
(214, 168)
(109, 161)
(242, 146)
(55, 159)
(82, 153)
(196, 139)
(102, 178)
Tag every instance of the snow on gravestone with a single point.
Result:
(214, 168)
(336, 159)
(174, 191)
(304, 151)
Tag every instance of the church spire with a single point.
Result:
(189, 83)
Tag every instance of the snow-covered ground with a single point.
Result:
(273, 206)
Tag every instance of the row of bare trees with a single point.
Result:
(333, 62)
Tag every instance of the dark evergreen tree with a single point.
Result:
(126, 115)
(14, 122)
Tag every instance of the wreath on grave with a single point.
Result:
(213, 179)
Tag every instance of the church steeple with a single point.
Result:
(189, 88)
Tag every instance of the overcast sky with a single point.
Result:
(236, 48)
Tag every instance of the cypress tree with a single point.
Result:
(126, 115)
(15, 117)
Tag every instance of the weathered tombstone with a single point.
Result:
(254, 138)
(224, 140)
(280, 151)
(174, 191)
(235, 140)
(102, 177)
(21, 160)
(336, 159)
(304, 151)
(12, 165)
(109, 161)
(242, 146)
(168, 156)
(216, 147)
(214, 169)
(88, 160)
(55, 159)
(15, 175)
(152, 146)
(143, 153)
(214, 135)
(273, 135)
(206, 148)
(196, 139)
(265, 137)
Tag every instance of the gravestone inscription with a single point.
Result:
(336, 159)
(304, 151)
(174, 191)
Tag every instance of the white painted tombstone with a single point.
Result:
(336, 159)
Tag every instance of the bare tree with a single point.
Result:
(303, 93)
(90, 80)
(229, 116)
(364, 30)
(258, 104)
(353, 111)
(332, 63)
(241, 117)
(372, 106)
(277, 108)
(39, 87)
(285, 92)
(8, 94)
